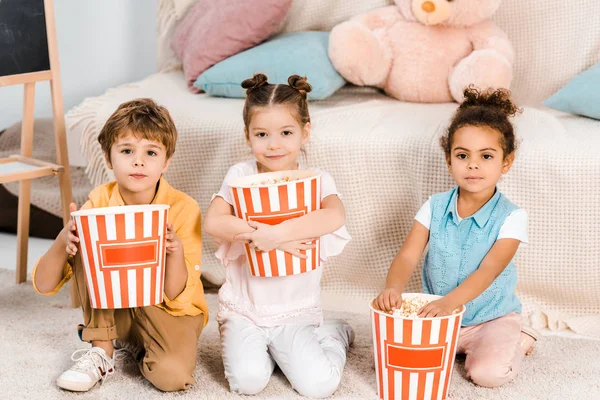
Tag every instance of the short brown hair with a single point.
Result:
(490, 108)
(260, 93)
(143, 118)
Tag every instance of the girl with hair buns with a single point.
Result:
(474, 232)
(278, 320)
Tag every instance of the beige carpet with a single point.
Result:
(38, 335)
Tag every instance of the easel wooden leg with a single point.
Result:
(62, 158)
(60, 141)
(25, 186)
(23, 230)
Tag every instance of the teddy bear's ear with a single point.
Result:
(405, 8)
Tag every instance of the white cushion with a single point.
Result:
(169, 13)
(319, 15)
(554, 41)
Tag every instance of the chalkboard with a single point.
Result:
(23, 40)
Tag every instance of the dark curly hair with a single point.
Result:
(490, 108)
(261, 93)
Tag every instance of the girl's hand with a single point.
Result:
(264, 238)
(437, 308)
(389, 299)
(69, 233)
(295, 246)
(172, 242)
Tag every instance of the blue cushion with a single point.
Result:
(580, 96)
(301, 53)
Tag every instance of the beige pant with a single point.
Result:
(493, 350)
(170, 342)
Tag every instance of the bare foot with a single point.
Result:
(527, 343)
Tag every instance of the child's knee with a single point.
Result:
(317, 386)
(247, 381)
(169, 374)
(491, 374)
(318, 391)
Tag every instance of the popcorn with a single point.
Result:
(410, 307)
(274, 181)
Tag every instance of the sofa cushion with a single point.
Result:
(279, 58)
(580, 96)
(214, 30)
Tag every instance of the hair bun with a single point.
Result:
(498, 98)
(300, 84)
(255, 82)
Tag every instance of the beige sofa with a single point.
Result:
(385, 158)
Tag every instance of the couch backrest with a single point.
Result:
(554, 39)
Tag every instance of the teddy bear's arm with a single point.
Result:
(488, 66)
(487, 35)
(359, 48)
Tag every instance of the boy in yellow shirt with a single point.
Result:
(138, 141)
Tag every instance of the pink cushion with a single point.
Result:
(215, 30)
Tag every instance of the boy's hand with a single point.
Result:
(172, 242)
(389, 299)
(437, 308)
(264, 238)
(295, 246)
(69, 233)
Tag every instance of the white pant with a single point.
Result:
(312, 358)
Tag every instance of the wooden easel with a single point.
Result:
(33, 57)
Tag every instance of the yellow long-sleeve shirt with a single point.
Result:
(185, 216)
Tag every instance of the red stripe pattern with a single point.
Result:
(414, 357)
(272, 205)
(123, 255)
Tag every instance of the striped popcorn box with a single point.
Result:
(123, 252)
(271, 198)
(414, 356)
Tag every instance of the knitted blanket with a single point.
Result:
(386, 161)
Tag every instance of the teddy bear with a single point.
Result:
(425, 51)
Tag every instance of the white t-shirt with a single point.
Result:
(276, 300)
(515, 226)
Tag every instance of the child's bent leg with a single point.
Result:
(312, 358)
(99, 327)
(493, 350)
(248, 365)
(170, 345)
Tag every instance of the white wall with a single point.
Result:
(101, 44)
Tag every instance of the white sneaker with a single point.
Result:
(91, 366)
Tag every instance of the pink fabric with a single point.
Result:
(493, 350)
(215, 30)
(278, 300)
(392, 48)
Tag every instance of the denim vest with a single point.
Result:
(457, 249)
